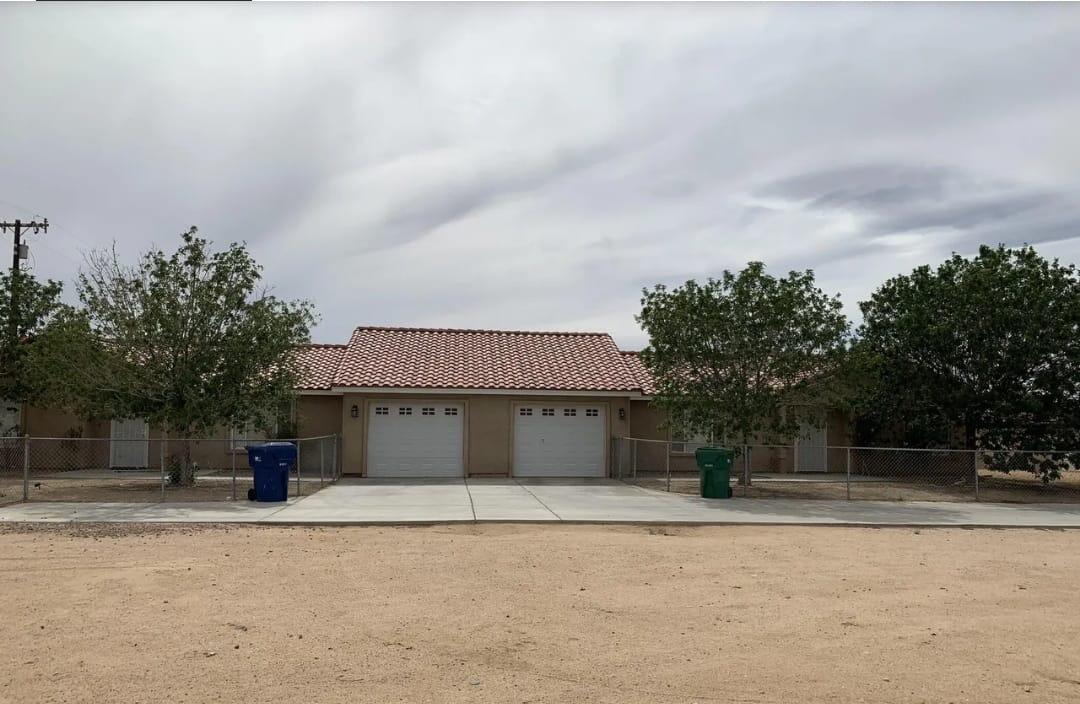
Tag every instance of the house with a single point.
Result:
(411, 402)
(432, 402)
(421, 402)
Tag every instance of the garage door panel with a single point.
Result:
(409, 439)
(559, 440)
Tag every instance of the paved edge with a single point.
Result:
(571, 522)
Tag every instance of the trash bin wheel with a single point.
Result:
(251, 494)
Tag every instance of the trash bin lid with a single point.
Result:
(270, 452)
(714, 452)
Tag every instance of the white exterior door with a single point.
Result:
(130, 443)
(416, 439)
(9, 418)
(559, 440)
(810, 449)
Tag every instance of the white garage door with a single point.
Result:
(415, 439)
(559, 440)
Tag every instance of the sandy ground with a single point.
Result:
(538, 614)
(133, 490)
(993, 487)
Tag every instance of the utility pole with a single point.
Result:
(19, 252)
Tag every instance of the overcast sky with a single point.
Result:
(533, 167)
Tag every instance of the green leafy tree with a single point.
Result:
(988, 346)
(743, 356)
(190, 341)
(38, 303)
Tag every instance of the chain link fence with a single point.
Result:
(859, 473)
(150, 470)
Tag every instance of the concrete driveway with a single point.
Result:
(359, 501)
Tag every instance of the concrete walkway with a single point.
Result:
(358, 502)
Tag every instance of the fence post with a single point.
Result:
(633, 456)
(848, 464)
(26, 468)
(298, 467)
(667, 464)
(322, 462)
(975, 469)
(746, 470)
(232, 460)
(164, 441)
(616, 458)
(334, 457)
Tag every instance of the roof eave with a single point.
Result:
(619, 393)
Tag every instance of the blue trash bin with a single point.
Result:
(270, 463)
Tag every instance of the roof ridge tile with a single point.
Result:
(485, 331)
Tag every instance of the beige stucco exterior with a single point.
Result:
(488, 442)
(62, 440)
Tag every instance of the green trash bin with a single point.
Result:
(714, 464)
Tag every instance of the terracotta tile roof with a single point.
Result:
(385, 357)
(641, 373)
(318, 364)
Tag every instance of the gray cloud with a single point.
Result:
(894, 199)
(535, 165)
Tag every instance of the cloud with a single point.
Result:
(535, 166)
(898, 199)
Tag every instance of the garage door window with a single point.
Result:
(569, 411)
(404, 411)
(427, 411)
(450, 411)
(548, 412)
(592, 412)
(382, 411)
(524, 411)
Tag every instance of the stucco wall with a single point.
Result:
(318, 415)
(489, 435)
(645, 423)
(488, 426)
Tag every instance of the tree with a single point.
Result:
(988, 345)
(189, 341)
(39, 303)
(744, 354)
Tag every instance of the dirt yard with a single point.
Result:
(538, 614)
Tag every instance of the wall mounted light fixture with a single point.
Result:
(622, 414)
(354, 411)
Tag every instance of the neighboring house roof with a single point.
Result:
(317, 365)
(387, 357)
(641, 373)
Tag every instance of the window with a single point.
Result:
(427, 411)
(382, 411)
(404, 411)
(450, 411)
(524, 411)
(592, 412)
(569, 411)
(691, 442)
(548, 412)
